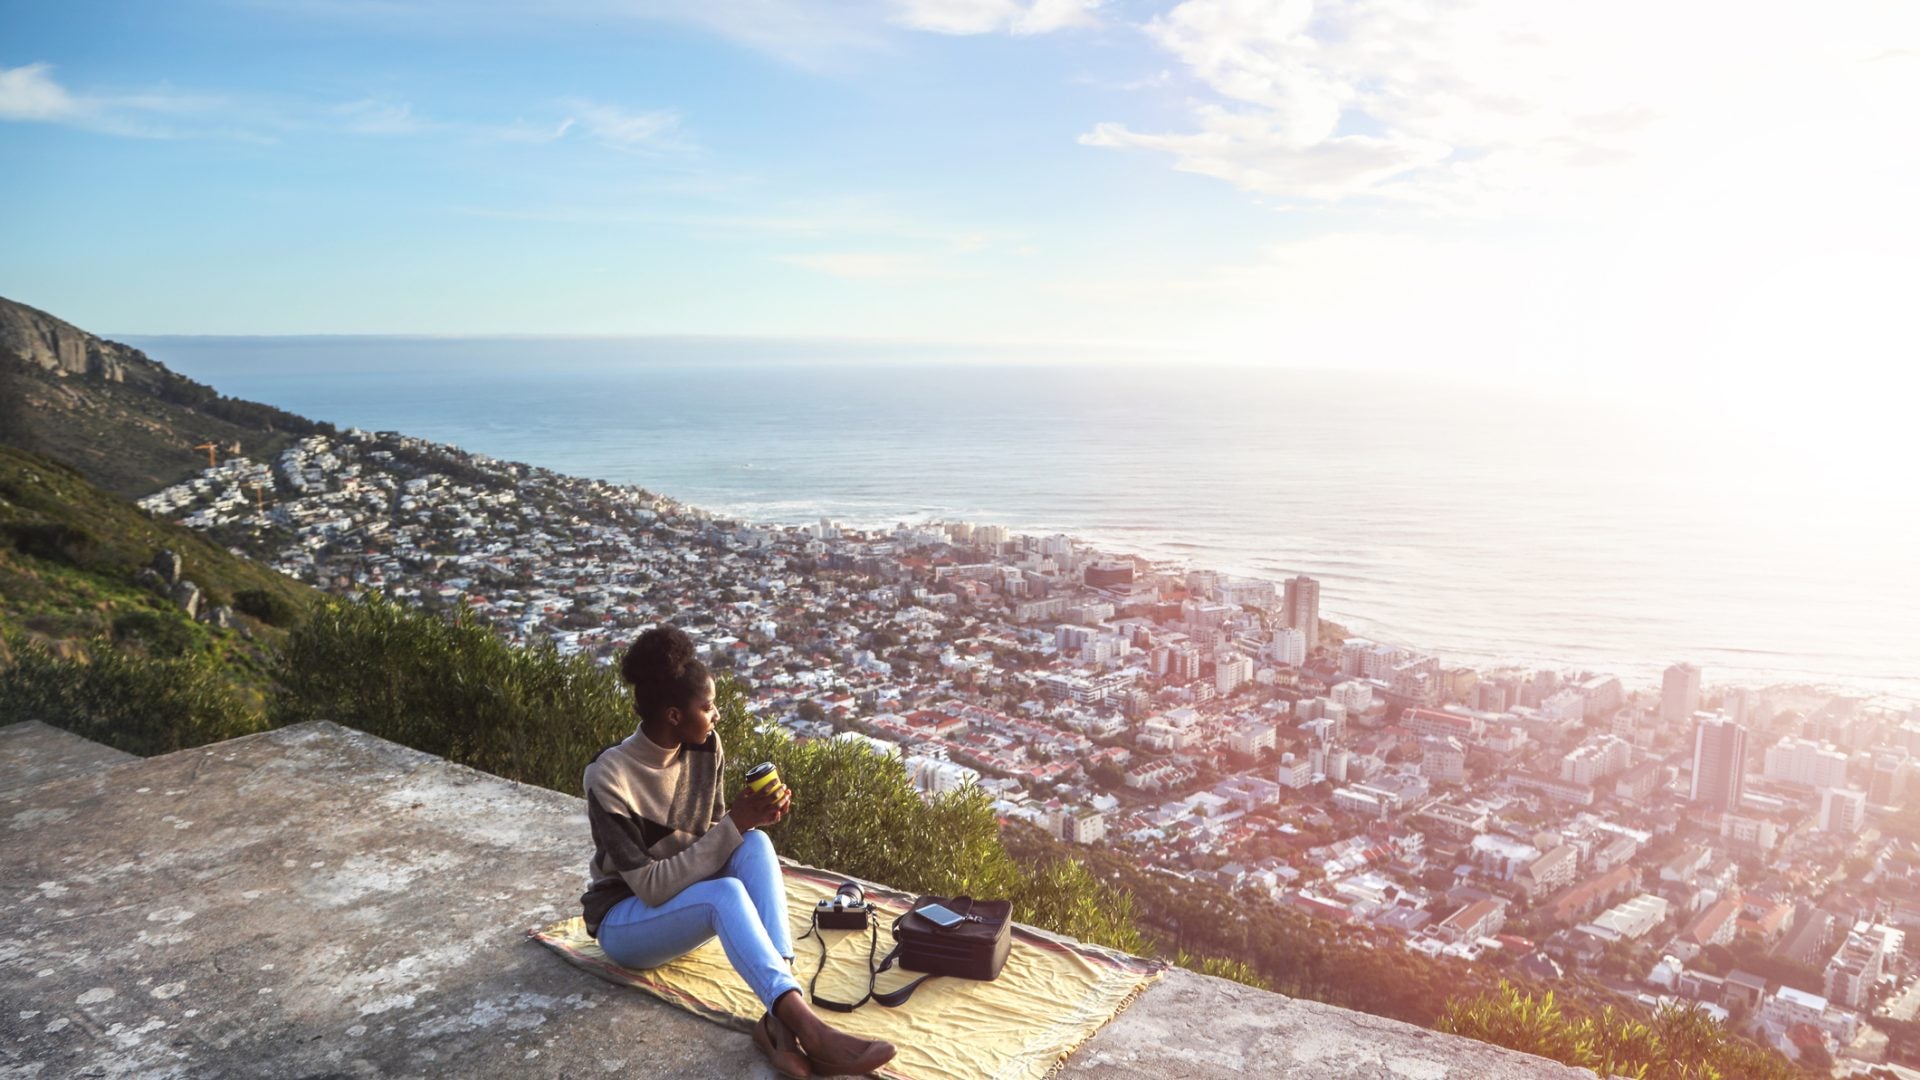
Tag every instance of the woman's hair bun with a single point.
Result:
(663, 670)
(661, 652)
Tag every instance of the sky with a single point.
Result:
(1709, 195)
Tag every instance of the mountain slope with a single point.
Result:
(121, 418)
(71, 562)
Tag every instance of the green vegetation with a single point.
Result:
(136, 436)
(138, 704)
(67, 548)
(85, 646)
(1676, 1044)
(452, 687)
(859, 814)
(1354, 967)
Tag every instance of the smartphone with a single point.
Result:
(940, 915)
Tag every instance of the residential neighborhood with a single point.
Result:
(1747, 849)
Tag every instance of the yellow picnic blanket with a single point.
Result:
(1052, 995)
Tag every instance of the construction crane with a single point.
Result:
(259, 500)
(209, 448)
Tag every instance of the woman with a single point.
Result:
(674, 865)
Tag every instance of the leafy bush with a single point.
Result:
(270, 608)
(140, 705)
(452, 687)
(857, 812)
(1678, 1043)
(1221, 968)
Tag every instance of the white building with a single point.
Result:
(1788, 1007)
(1368, 660)
(1288, 647)
(1355, 695)
(1631, 919)
(1443, 759)
(1806, 763)
(1293, 772)
(1364, 800)
(1597, 758)
(1083, 826)
(1230, 671)
(1252, 737)
(1855, 969)
(1842, 811)
(1679, 693)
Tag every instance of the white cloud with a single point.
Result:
(29, 93)
(625, 129)
(1252, 152)
(989, 16)
(371, 117)
(1501, 104)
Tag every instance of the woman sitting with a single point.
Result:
(674, 865)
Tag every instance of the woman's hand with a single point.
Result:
(753, 809)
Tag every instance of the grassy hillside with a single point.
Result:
(129, 439)
(70, 556)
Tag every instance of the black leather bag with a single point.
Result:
(974, 948)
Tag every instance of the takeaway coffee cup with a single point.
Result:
(762, 776)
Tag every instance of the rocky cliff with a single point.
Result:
(64, 349)
(123, 419)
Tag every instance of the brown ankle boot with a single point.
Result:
(875, 1053)
(782, 1049)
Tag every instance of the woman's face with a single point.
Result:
(696, 720)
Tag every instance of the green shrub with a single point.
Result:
(451, 687)
(1678, 1043)
(857, 812)
(269, 607)
(141, 705)
(1221, 968)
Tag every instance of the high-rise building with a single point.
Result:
(1231, 671)
(1719, 761)
(1301, 608)
(1289, 646)
(1842, 811)
(1887, 786)
(1738, 705)
(1491, 696)
(1679, 693)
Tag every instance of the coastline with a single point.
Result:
(1426, 575)
(1645, 672)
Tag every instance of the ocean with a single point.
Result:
(1493, 525)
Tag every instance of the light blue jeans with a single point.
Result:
(745, 904)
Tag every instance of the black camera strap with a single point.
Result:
(873, 949)
(892, 999)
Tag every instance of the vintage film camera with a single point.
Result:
(848, 910)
